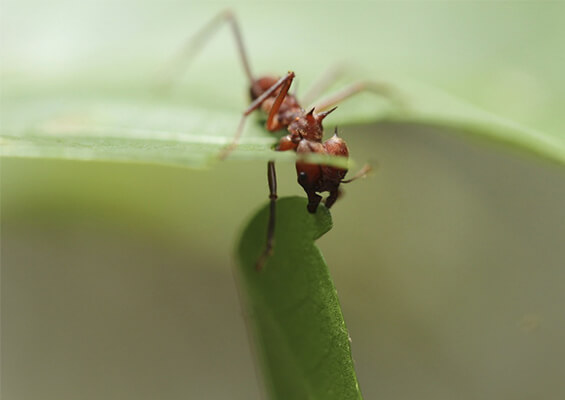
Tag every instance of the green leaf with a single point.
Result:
(139, 125)
(293, 307)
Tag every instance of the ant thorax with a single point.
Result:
(306, 126)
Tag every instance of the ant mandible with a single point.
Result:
(305, 131)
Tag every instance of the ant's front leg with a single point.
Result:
(272, 177)
(272, 124)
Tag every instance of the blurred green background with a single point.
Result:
(449, 261)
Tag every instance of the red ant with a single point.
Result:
(305, 132)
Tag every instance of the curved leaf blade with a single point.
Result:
(136, 125)
(293, 308)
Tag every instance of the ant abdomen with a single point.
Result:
(261, 85)
(309, 175)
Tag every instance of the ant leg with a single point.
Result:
(175, 70)
(272, 124)
(272, 121)
(381, 89)
(329, 77)
(272, 177)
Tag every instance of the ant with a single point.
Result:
(305, 131)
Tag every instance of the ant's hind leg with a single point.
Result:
(174, 71)
(328, 78)
(378, 88)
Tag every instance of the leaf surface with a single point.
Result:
(142, 127)
(293, 309)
